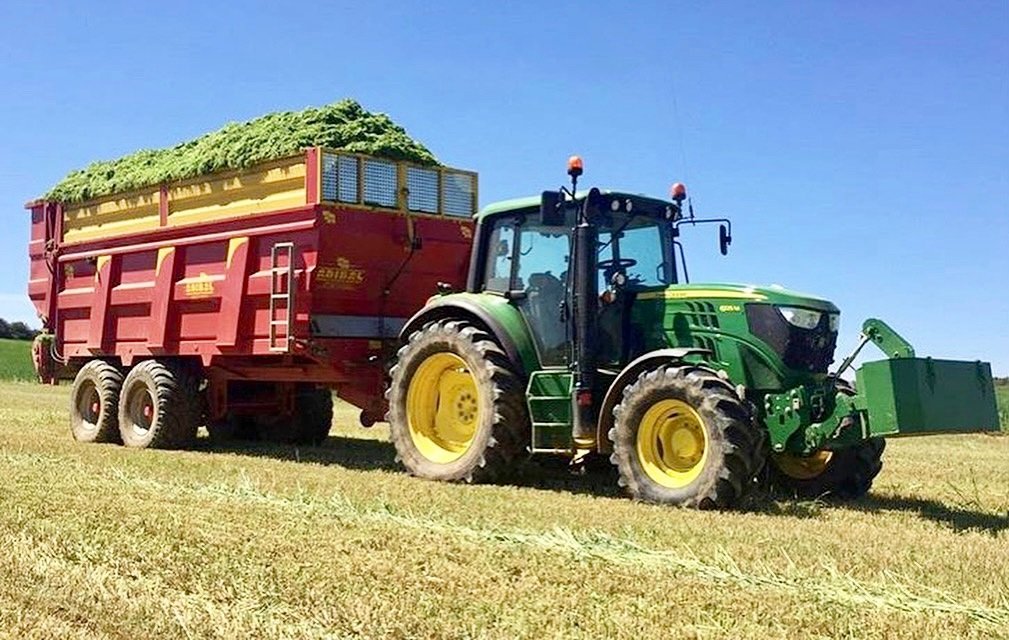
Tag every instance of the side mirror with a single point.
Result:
(724, 239)
(551, 211)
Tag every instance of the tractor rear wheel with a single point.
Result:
(682, 436)
(456, 405)
(159, 407)
(845, 474)
(94, 403)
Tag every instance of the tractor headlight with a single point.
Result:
(835, 322)
(802, 318)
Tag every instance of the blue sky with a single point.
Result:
(862, 149)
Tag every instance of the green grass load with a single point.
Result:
(341, 125)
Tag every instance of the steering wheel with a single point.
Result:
(616, 265)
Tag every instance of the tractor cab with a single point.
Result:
(525, 256)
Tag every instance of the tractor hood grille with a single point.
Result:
(800, 349)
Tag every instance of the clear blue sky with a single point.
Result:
(861, 148)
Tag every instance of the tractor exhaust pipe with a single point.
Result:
(585, 302)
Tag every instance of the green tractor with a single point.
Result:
(578, 333)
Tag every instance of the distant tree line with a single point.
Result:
(16, 330)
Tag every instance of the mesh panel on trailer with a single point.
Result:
(457, 195)
(379, 183)
(339, 178)
(422, 185)
(330, 179)
(348, 179)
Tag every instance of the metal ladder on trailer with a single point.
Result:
(281, 297)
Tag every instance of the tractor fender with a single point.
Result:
(494, 315)
(628, 375)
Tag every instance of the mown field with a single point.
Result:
(16, 360)
(275, 542)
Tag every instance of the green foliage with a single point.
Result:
(16, 360)
(341, 125)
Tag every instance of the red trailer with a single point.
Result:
(238, 299)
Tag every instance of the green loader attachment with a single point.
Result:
(906, 395)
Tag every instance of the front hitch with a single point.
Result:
(906, 395)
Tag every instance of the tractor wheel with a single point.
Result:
(456, 405)
(159, 406)
(313, 415)
(845, 474)
(94, 403)
(683, 437)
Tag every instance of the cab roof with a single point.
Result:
(640, 201)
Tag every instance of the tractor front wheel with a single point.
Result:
(845, 474)
(456, 405)
(683, 437)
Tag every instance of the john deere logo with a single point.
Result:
(343, 275)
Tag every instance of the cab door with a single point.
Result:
(529, 262)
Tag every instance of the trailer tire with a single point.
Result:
(94, 403)
(844, 474)
(457, 407)
(313, 415)
(232, 428)
(159, 406)
(682, 436)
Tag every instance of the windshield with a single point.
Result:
(642, 239)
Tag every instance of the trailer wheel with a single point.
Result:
(682, 436)
(313, 415)
(94, 403)
(231, 428)
(159, 406)
(456, 405)
(845, 474)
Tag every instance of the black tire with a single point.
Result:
(847, 473)
(731, 449)
(160, 406)
(232, 428)
(94, 403)
(313, 415)
(497, 415)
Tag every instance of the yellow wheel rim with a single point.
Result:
(442, 408)
(803, 468)
(672, 443)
